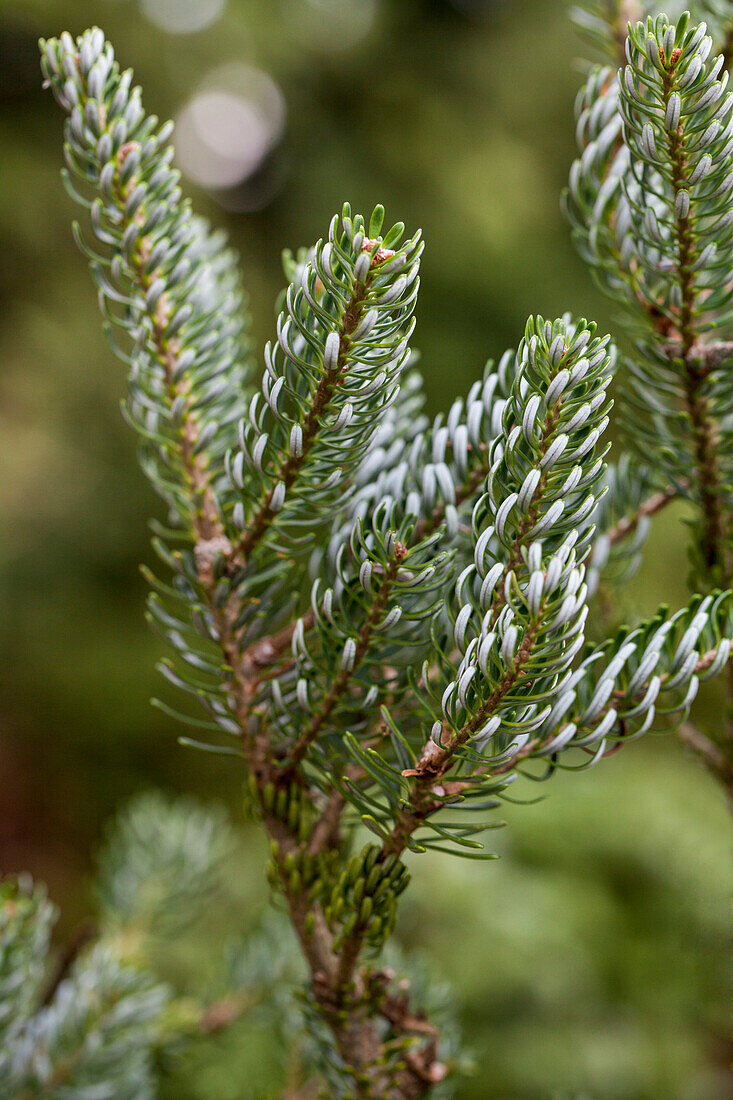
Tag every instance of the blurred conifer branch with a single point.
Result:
(650, 203)
(97, 1019)
(91, 1022)
(386, 619)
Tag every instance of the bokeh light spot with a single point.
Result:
(225, 132)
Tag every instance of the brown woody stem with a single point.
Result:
(709, 753)
(649, 507)
(704, 429)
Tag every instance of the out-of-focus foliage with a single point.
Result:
(560, 946)
(99, 1022)
(478, 112)
(91, 1033)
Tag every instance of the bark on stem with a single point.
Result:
(714, 550)
(709, 753)
(649, 507)
(704, 433)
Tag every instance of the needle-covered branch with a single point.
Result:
(650, 202)
(387, 617)
(167, 285)
(520, 606)
(333, 371)
(370, 624)
(679, 129)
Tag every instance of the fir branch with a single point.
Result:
(180, 289)
(653, 217)
(330, 379)
(98, 1032)
(369, 627)
(621, 685)
(650, 648)
(675, 124)
(436, 757)
(328, 473)
(291, 465)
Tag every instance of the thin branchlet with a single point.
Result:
(704, 429)
(629, 524)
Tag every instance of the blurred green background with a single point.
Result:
(587, 962)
